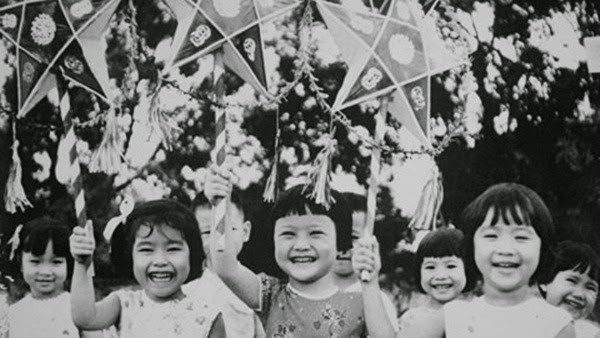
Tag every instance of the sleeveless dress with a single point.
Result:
(533, 318)
(42, 318)
(142, 317)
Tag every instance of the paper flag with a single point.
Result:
(57, 36)
(233, 26)
(384, 52)
(592, 46)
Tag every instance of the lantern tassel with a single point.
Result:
(161, 122)
(430, 203)
(320, 175)
(14, 195)
(107, 158)
(270, 193)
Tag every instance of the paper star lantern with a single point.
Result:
(384, 52)
(54, 35)
(234, 26)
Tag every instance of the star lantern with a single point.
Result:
(53, 35)
(233, 26)
(395, 49)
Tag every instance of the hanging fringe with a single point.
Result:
(14, 195)
(428, 209)
(320, 175)
(107, 158)
(270, 193)
(14, 242)
(160, 122)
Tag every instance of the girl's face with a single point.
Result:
(305, 246)
(573, 291)
(45, 274)
(443, 278)
(506, 254)
(161, 261)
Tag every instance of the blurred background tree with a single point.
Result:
(526, 108)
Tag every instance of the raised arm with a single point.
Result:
(241, 280)
(365, 256)
(86, 313)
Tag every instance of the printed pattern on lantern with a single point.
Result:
(228, 8)
(401, 49)
(81, 8)
(250, 48)
(371, 79)
(28, 72)
(418, 98)
(9, 21)
(43, 29)
(361, 24)
(74, 64)
(200, 35)
(402, 10)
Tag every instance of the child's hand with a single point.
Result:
(82, 244)
(365, 257)
(217, 183)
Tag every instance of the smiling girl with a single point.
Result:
(307, 237)
(439, 271)
(507, 245)
(44, 261)
(574, 286)
(165, 251)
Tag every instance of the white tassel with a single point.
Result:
(320, 175)
(107, 158)
(14, 195)
(161, 122)
(428, 209)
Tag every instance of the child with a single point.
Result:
(575, 284)
(239, 319)
(508, 239)
(343, 274)
(439, 272)
(44, 261)
(306, 238)
(166, 251)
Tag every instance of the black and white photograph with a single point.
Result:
(300, 168)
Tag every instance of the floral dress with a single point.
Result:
(285, 313)
(142, 317)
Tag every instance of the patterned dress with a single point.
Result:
(142, 317)
(285, 313)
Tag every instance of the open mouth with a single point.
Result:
(442, 287)
(302, 259)
(44, 281)
(577, 305)
(506, 265)
(161, 277)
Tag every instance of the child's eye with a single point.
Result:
(58, 261)
(317, 233)
(572, 280)
(522, 238)
(287, 234)
(34, 260)
(490, 235)
(144, 249)
(428, 267)
(592, 287)
(451, 266)
(174, 249)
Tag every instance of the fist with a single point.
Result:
(365, 257)
(217, 183)
(82, 244)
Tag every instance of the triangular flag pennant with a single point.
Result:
(234, 26)
(396, 50)
(411, 106)
(53, 35)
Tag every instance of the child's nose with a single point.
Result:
(45, 269)
(159, 258)
(301, 243)
(505, 245)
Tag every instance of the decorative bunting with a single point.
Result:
(233, 26)
(53, 35)
(385, 52)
